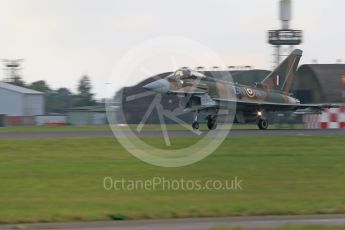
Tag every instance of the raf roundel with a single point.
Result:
(250, 92)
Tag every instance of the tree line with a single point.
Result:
(61, 99)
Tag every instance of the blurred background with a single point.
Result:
(60, 54)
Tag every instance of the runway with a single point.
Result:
(186, 133)
(192, 224)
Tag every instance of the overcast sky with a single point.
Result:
(62, 39)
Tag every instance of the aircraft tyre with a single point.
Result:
(211, 124)
(195, 125)
(262, 124)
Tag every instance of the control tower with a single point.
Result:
(286, 38)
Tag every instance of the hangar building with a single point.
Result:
(320, 83)
(20, 101)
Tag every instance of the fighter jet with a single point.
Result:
(211, 94)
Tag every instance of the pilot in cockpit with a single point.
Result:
(184, 77)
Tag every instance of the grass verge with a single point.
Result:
(62, 180)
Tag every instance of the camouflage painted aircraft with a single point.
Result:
(210, 95)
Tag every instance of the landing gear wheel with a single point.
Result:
(262, 124)
(195, 125)
(212, 124)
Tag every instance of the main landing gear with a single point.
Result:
(262, 124)
(211, 122)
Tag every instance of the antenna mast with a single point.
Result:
(284, 36)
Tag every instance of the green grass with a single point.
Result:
(62, 179)
(67, 128)
(305, 227)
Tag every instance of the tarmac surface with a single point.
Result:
(186, 133)
(192, 224)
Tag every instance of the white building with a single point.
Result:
(19, 101)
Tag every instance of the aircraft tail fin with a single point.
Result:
(282, 77)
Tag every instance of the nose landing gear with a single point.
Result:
(195, 123)
(211, 122)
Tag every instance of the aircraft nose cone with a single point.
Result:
(160, 86)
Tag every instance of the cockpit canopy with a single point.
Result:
(185, 73)
(186, 77)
